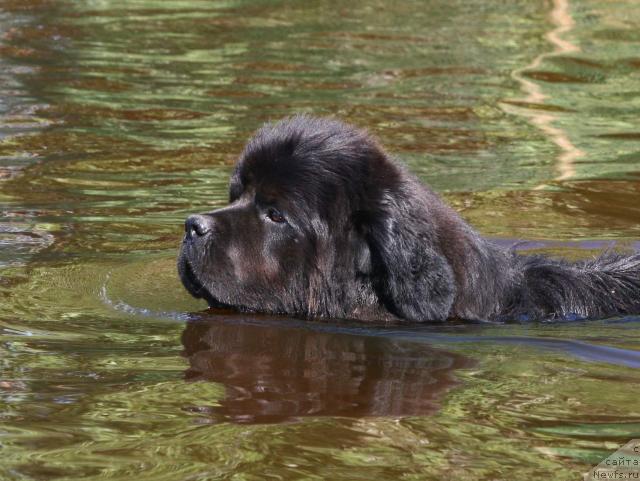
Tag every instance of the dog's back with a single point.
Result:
(606, 286)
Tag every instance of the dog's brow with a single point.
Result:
(267, 196)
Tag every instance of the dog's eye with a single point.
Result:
(275, 216)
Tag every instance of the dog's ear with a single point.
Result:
(411, 278)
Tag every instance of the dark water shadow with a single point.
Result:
(585, 351)
(277, 373)
(476, 333)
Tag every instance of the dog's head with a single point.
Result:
(312, 227)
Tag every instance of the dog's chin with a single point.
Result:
(193, 285)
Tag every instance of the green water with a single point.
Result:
(119, 118)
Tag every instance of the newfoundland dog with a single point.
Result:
(322, 222)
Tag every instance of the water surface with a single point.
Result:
(118, 119)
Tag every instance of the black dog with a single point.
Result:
(323, 223)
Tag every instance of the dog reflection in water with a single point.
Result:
(277, 374)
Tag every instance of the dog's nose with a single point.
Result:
(197, 225)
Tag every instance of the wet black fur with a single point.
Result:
(364, 238)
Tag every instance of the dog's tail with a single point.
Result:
(605, 286)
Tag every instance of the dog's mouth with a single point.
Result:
(197, 289)
(191, 282)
